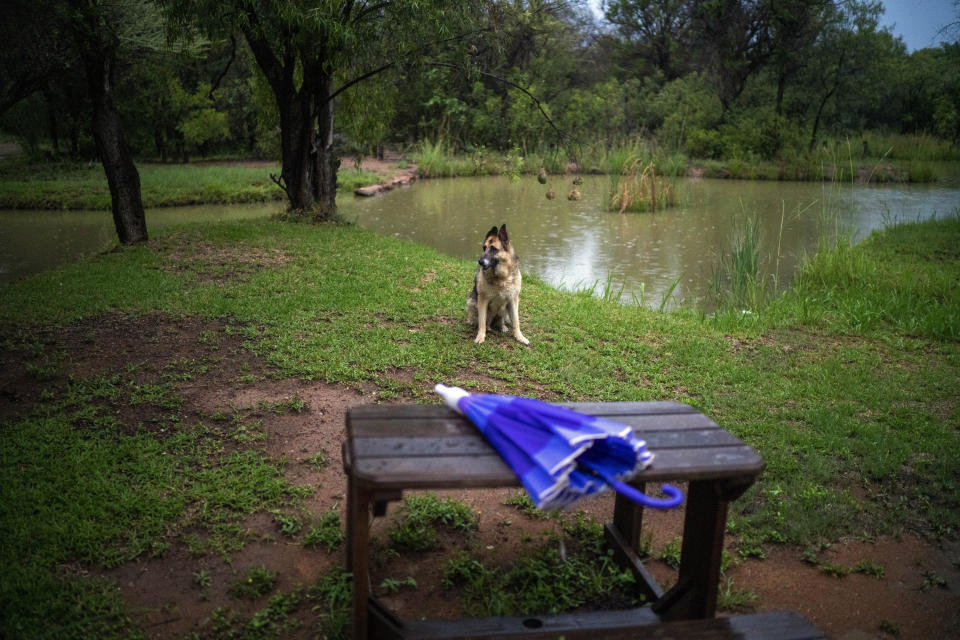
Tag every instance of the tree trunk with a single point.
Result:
(122, 176)
(297, 142)
(325, 162)
(309, 167)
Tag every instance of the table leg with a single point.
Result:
(704, 525)
(358, 538)
(624, 537)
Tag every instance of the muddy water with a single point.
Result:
(569, 244)
(575, 244)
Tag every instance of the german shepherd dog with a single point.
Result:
(495, 299)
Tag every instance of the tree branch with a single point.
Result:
(359, 79)
(279, 181)
(233, 55)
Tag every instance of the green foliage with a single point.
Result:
(287, 524)
(671, 553)
(521, 502)
(392, 585)
(683, 107)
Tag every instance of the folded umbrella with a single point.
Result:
(560, 455)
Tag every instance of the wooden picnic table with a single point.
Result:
(393, 448)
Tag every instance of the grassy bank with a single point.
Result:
(837, 161)
(69, 185)
(852, 404)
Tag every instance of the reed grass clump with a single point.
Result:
(636, 186)
(737, 280)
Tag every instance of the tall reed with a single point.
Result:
(737, 280)
(635, 185)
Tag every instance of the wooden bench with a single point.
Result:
(392, 448)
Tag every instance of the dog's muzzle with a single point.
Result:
(486, 262)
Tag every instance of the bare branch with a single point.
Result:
(279, 181)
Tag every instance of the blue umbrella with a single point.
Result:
(560, 455)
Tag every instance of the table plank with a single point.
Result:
(453, 424)
(606, 409)
(475, 443)
(431, 446)
(451, 472)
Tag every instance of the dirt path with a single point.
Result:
(163, 593)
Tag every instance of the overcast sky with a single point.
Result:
(916, 21)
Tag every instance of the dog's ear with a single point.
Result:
(492, 232)
(502, 234)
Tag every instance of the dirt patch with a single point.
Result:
(906, 586)
(214, 263)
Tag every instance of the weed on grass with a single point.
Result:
(417, 530)
(331, 597)
(253, 583)
(319, 460)
(326, 533)
(870, 568)
(521, 502)
(671, 553)
(289, 525)
(732, 599)
(932, 580)
(274, 621)
(543, 581)
(393, 585)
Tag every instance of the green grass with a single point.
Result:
(417, 530)
(910, 159)
(253, 583)
(78, 489)
(846, 385)
(545, 580)
(84, 186)
(902, 279)
(327, 533)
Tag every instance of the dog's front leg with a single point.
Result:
(515, 320)
(482, 304)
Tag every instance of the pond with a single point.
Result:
(568, 244)
(641, 256)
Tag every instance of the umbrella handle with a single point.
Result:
(673, 499)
